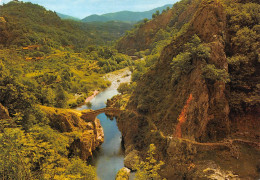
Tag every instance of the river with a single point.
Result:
(109, 158)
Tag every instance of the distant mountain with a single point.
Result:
(124, 15)
(64, 16)
(24, 24)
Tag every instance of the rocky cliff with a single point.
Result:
(185, 103)
(90, 133)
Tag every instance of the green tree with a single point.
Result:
(61, 97)
(148, 169)
(211, 72)
(124, 88)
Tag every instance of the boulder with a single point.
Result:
(131, 159)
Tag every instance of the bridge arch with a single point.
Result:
(91, 115)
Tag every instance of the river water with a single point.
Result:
(109, 158)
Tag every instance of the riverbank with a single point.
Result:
(88, 99)
(116, 78)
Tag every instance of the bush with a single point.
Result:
(215, 74)
(78, 169)
(180, 65)
(148, 170)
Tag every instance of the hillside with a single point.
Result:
(166, 24)
(27, 24)
(64, 16)
(197, 97)
(125, 16)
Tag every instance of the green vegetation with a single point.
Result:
(215, 74)
(30, 24)
(243, 55)
(195, 50)
(55, 59)
(126, 88)
(52, 62)
(39, 154)
(148, 169)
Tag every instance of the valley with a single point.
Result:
(171, 96)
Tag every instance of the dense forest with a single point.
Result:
(190, 111)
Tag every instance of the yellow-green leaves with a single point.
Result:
(148, 169)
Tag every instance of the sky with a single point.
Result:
(83, 8)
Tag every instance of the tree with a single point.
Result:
(123, 88)
(215, 74)
(61, 97)
(148, 170)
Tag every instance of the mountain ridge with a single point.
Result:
(65, 16)
(124, 15)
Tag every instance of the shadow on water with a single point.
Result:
(109, 158)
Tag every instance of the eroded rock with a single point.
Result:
(69, 121)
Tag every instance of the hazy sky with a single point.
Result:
(83, 8)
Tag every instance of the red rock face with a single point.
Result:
(182, 118)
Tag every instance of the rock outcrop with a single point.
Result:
(131, 159)
(189, 119)
(91, 133)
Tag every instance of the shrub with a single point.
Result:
(149, 168)
(180, 65)
(215, 74)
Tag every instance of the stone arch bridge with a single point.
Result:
(91, 115)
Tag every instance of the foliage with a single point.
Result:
(149, 168)
(29, 24)
(181, 65)
(79, 170)
(243, 54)
(126, 88)
(31, 158)
(194, 50)
(215, 74)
